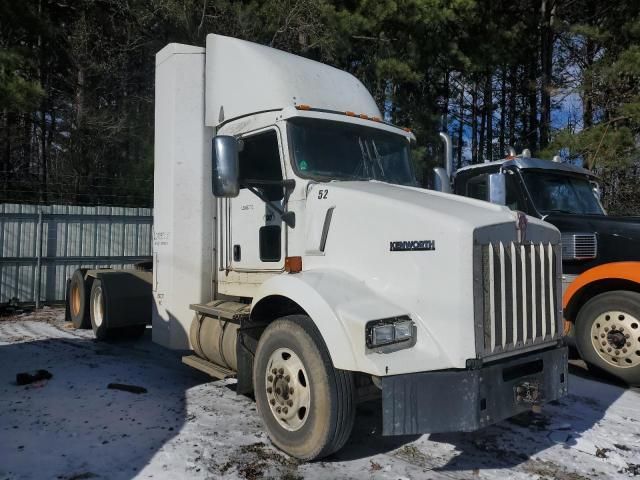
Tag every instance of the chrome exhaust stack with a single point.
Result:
(442, 176)
(448, 153)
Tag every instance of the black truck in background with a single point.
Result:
(600, 253)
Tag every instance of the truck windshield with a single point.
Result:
(561, 193)
(327, 150)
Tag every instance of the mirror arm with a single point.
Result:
(288, 218)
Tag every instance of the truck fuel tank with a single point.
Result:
(214, 339)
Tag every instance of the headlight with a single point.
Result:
(395, 333)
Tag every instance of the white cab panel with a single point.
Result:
(244, 78)
(183, 202)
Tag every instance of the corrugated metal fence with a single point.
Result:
(41, 245)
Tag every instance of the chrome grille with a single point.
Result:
(521, 298)
(579, 246)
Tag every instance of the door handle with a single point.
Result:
(237, 253)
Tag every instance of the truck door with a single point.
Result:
(256, 237)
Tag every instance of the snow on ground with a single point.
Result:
(73, 427)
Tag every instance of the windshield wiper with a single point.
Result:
(378, 159)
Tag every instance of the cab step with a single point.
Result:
(216, 371)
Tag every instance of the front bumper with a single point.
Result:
(467, 400)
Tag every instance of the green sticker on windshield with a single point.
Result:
(303, 165)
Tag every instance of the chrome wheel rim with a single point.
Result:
(615, 336)
(97, 307)
(288, 390)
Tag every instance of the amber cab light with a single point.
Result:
(349, 113)
(303, 106)
(293, 264)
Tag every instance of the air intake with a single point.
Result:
(579, 246)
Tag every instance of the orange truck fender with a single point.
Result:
(596, 280)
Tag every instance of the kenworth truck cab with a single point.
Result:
(600, 253)
(317, 272)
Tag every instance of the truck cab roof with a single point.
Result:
(526, 163)
(244, 78)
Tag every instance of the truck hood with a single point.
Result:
(626, 227)
(617, 236)
(415, 248)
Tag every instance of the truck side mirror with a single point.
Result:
(226, 167)
(497, 189)
(595, 187)
(441, 181)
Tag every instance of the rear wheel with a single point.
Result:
(307, 405)
(78, 298)
(608, 334)
(98, 309)
(100, 317)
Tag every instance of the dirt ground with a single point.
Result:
(72, 426)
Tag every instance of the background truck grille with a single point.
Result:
(521, 298)
(579, 246)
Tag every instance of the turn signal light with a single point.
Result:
(293, 264)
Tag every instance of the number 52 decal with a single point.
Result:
(322, 194)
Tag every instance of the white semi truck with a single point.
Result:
(317, 272)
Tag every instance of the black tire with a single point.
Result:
(100, 321)
(612, 318)
(99, 313)
(67, 309)
(329, 420)
(78, 302)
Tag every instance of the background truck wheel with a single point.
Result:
(99, 313)
(67, 310)
(79, 291)
(308, 406)
(102, 323)
(608, 334)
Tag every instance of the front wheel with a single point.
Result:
(608, 334)
(307, 405)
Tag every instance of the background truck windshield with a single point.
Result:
(556, 192)
(327, 150)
